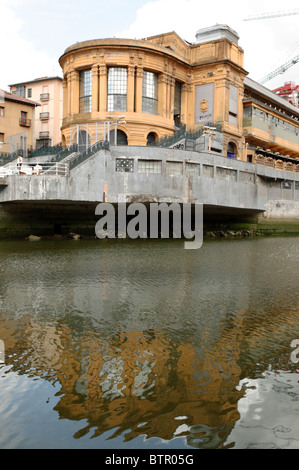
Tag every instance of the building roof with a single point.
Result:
(18, 99)
(37, 80)
(215, 33)
(260, 89)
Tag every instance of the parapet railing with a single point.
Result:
(6, 158)
(64, 153)
(182, 133)
(276, 163)
(46, 151)
(36, 168)
(81, 157)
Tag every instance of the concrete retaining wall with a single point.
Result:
(224, 186)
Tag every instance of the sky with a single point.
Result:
(35, 33)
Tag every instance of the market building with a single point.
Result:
(136, 92)
(154, 86)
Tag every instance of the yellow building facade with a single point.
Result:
(17, 119)
(136, 92)
(148, 88)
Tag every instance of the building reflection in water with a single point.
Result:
(158, 357)
(136, 382)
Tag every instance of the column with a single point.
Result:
(65, 96)
(103, 88)
(138, 95)
(184, 103)
(69, 94)
(74, 92)
(95, 89)
(162, 95)
(131, 89)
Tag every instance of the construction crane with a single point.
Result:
(290, 92)
(280, 69)
(265, 16)
(291, 62)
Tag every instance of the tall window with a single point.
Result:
(177, 103)
(150, 93)
(117, 89)
(85, 91)
(23, 116)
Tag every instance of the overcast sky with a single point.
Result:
(35, 33)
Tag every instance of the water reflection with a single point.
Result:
(144, 341)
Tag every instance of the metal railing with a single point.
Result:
(36, 168)
(44, 134)
(44, 96)
(46, 151)
(25, 122)
(64, 153)
(44, 116)
(81, 157)
(6, 158)
(182, 133)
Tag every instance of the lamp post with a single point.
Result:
(210, 131)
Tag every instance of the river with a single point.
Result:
(122, 344)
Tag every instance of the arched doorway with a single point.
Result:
(232, 150)
(151, 138)
(121, 137)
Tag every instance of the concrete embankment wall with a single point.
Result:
(232, 192)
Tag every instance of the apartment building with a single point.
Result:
(17, 120)
(47, 91)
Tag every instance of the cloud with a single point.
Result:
(267, 44)
(32, 43)
(20, 60)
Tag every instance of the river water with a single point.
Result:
(122, 344)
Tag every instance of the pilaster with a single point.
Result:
(95, 88)
(103, 88)
(131, 89)
(138, 89)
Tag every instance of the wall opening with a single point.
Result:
(151, 138)
(232, 150)
(121, 137)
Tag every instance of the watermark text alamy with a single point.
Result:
(138, 220)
